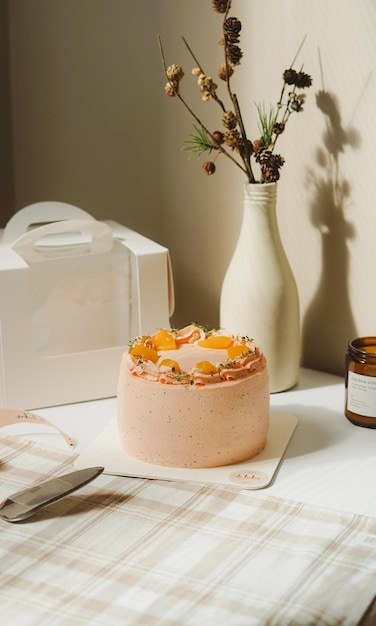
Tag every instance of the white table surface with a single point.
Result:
(329, 462)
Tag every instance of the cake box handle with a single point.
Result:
(62, 239)
(38, 214)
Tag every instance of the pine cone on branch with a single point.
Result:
(233, 53)
(299, 79)
(232, 139)
(229, 120)
(220, 6)
(231, 29)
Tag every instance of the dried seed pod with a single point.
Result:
(208, 168)
(279, 127)
(175, 73)
(220, 6)
(218, 137)
(171, 89)
(258, 144)
(223, 73)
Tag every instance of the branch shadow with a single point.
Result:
(329, 319)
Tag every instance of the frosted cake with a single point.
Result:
(193, 398)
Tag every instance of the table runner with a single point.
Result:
(148, 552)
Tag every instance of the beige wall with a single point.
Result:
(91, 126)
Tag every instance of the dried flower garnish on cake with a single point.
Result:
(158, 357)
(232, 140)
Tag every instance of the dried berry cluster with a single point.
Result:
(232, 140)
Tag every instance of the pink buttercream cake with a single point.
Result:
(193, 398)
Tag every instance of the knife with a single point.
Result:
(24, 503)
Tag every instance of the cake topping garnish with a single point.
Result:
(143, 351)
(237, 350)
(164, 340)
(214, 356)
(170, 364)
(220, 342)
(206, 367)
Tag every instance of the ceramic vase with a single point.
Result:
(259, 297)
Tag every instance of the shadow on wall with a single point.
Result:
(329, 323)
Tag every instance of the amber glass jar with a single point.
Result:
(360, 382)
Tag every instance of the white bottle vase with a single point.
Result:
(259, 297)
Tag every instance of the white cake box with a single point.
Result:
(73, 292)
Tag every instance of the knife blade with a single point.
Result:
(22, 504)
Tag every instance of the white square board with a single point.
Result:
(256, 473)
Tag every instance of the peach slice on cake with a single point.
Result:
(174, 365)
(163, 340)
(221, 342)
(140, 350)
(206, 367)
(237, 350)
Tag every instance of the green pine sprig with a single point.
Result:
(200, 142)
(266, 123)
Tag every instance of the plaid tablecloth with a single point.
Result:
(147, 552)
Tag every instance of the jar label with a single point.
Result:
(361, 394)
